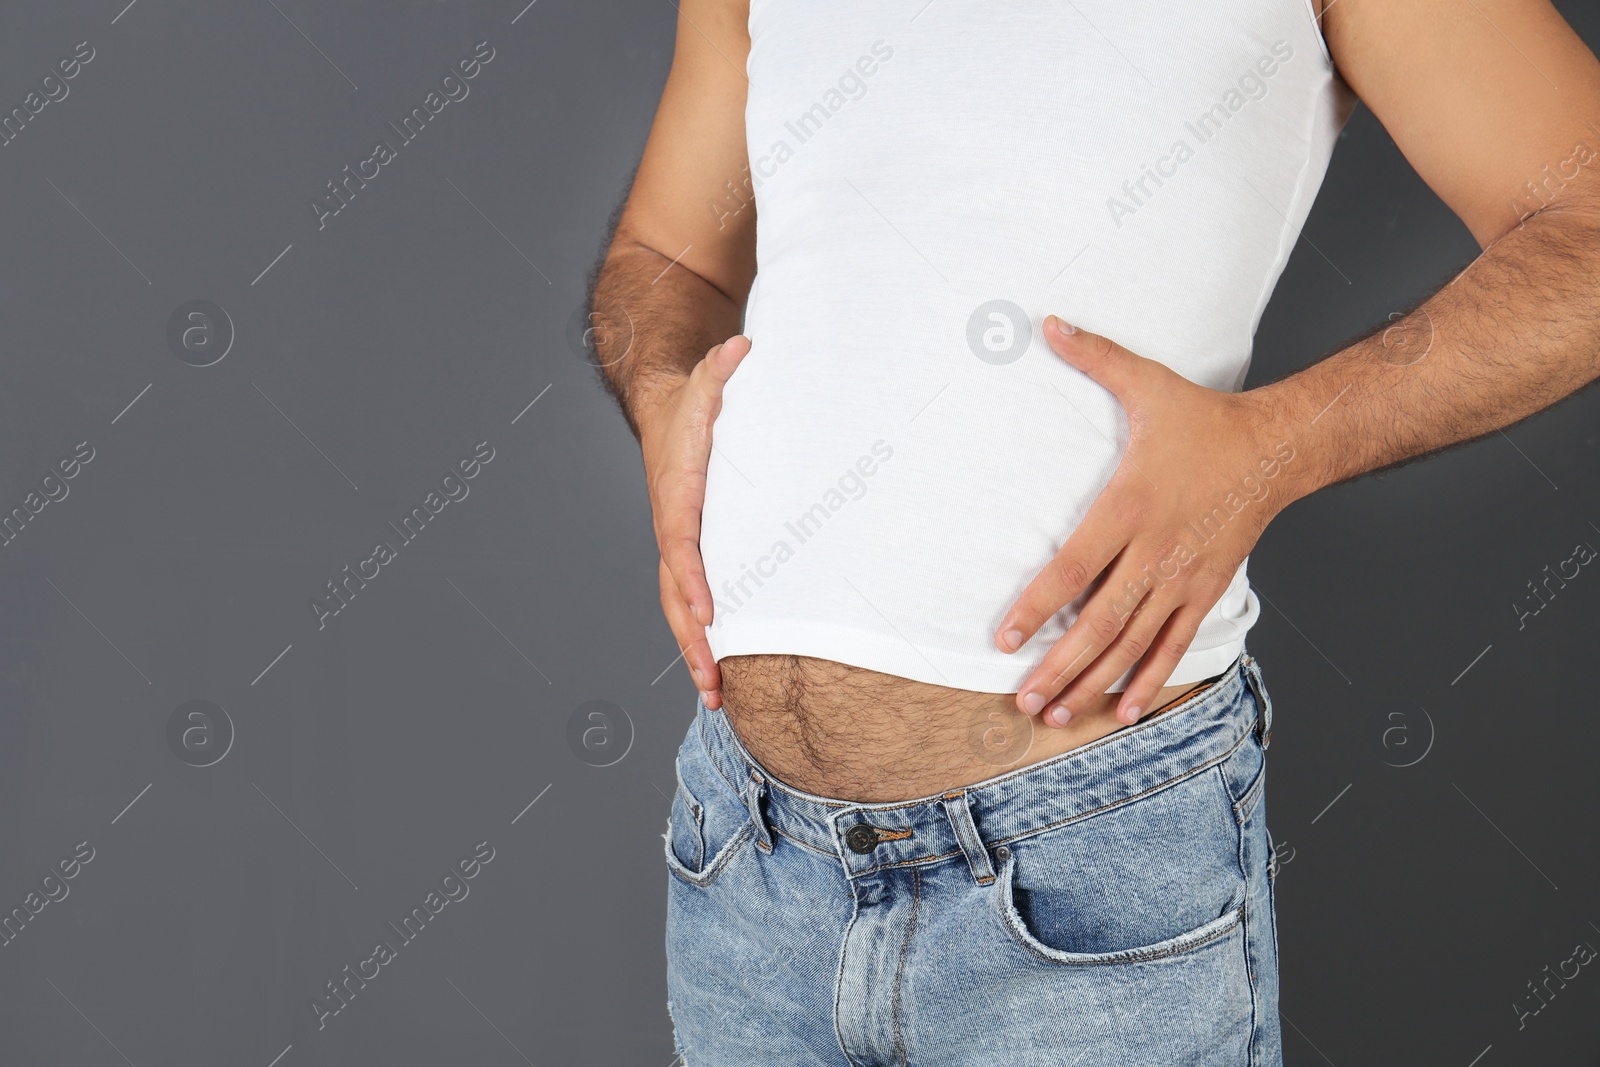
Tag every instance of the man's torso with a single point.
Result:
(900, 452)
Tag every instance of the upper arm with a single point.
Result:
(1482, 96)
(691, 198)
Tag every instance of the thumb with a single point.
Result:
(722, 361)
(1102, 359)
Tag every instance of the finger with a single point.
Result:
(1168, 648)
(679, 538)
(1087, 553)
(1101, 358)
(1129, 647)
(1116, 514)
(1099, 624)
(681, 491)
(695, 651)
(691, 638)
(698, 404)
(719, 364)
(678, 494)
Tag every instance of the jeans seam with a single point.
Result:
(899, 972)
(1180, 950)
(1250, 1057)
(1247, 803)
(1272, 905)
(701, 879)
(1142, 794)
(1244, 947)
(838, 978)
(803, 844)
(1035, 831)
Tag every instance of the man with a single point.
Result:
(953, 535)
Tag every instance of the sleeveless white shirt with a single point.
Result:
(900, 453)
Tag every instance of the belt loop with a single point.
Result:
(966, 831)
(1258, 688)
(754, 790)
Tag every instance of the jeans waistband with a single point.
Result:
(970, 821)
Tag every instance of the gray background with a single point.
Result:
(369, 756)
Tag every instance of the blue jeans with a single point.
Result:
(1108, 907)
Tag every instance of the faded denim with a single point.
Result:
(1108, 907)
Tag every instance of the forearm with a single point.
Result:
(1514, 333)
(652, 321)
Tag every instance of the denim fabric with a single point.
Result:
(1108, 907)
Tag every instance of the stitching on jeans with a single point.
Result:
(1263, 701)
(916, 862)
(1112, 959)
(1147, 957)
(892, 835)
(835, 855)
(1247, 803)
(967, 836)
(1244, 949)
(803, 844)
(1071, 818)
(1125, 732)
(838, 976)
(1125, 800)
(701, 879)
(899, 971)
(752, 803)
(1250, 1058)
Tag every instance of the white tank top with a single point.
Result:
(901, 452)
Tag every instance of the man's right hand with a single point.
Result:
(676, 443)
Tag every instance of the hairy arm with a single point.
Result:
(671, 289)
(674, 279)
(1496, 105)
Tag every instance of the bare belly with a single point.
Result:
(853, 734)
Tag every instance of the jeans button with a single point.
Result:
(861, 838)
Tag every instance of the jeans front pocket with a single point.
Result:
(709, 823)
(684, 841)
(1150, 878)
(1176, 945)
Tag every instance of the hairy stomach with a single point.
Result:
(848, 733)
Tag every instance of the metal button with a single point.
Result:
(861, 838)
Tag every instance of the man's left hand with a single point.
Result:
(1198, 484)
